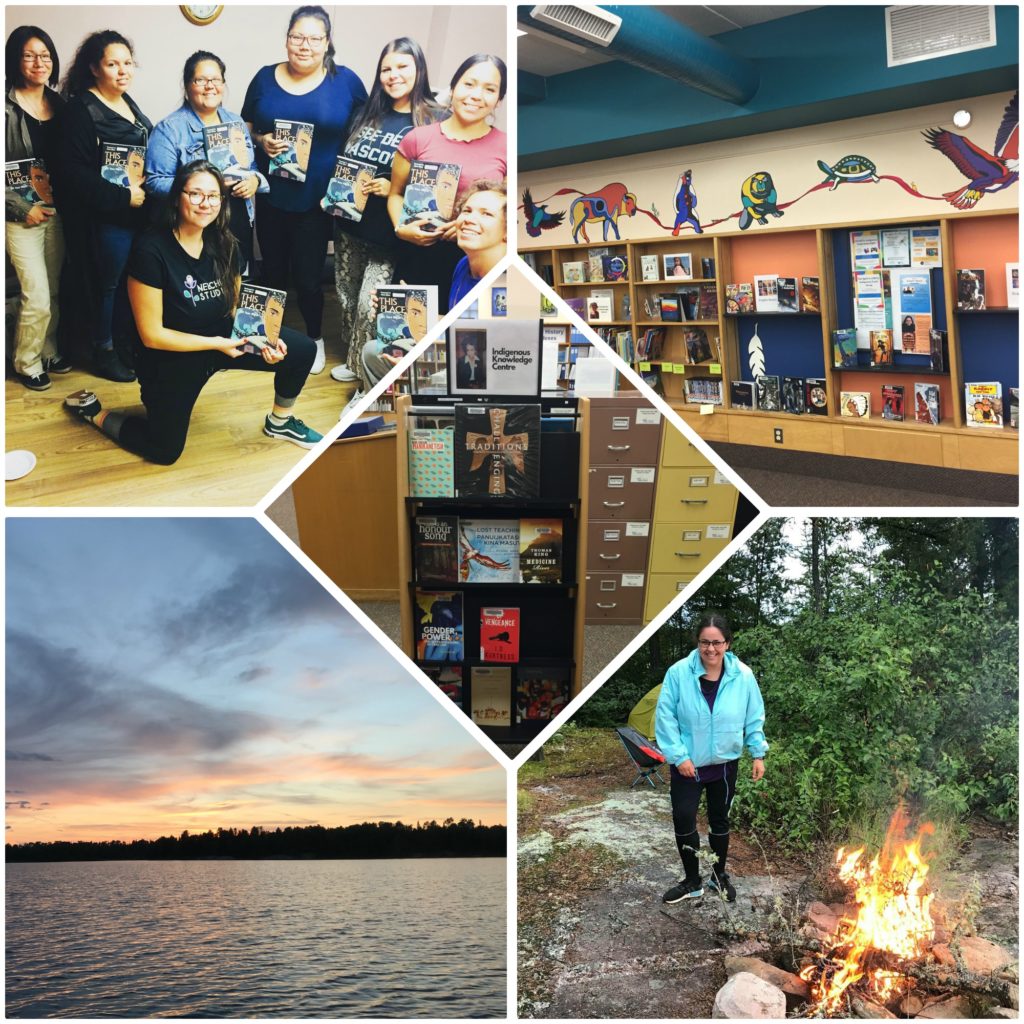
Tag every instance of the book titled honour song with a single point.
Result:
(430, 192)
(29, 180)
(293, 162)
(123, 165)
(499, 634)
(436, 549)
(345, 197)
(227, 148)
(497, 451)
(259, 317)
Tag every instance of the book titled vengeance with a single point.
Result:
(436, 548)
(293, 162)
(227, 148)
(259, 317)
(430, 192)
(123, 165)
(499, 634)
(438, 627)
(540, 550)
(431, 465)
(497, 451)
(489, 550)
(345, 197)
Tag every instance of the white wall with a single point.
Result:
(246, 37)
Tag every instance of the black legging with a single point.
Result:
(171, 383)
(685, 800)
(294, 246)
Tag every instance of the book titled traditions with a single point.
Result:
(430, 192)
(489, 550)
(541, 693)
(439, 626)
(227, 148)
(499, 634)
(436, 549)
(431, 462)
(404, 315)
(490, 688)
(293, 162)
(29, 180)
(123, 165)
(540, 550)
(345, 197)
(892, 401)
(497, 451)
(984, 404)
(259, 317)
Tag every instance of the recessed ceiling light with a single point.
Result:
(962, 118)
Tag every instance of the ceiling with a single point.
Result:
(546, 55)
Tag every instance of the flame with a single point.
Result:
(893, 916)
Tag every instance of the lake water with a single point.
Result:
(336, 938)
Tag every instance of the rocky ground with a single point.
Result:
(595, 857)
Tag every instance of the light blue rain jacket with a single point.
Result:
(686, 729)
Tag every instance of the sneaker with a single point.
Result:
(35, 381)
(344, 374)
(722, 885)
(687, 889)
(321, 357)
(107, 364)
(57, 364)
(83, 403)
(292, 430)
(356, 398)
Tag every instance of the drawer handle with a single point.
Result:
(613, 504)
(694, 501)
(686, 554)
(614, 605)
(619, 447)
(611, 558)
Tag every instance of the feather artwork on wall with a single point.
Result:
(756, 352)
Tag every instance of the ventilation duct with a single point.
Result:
(650, 39)
(923, 33)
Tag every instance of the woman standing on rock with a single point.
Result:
(710, 707)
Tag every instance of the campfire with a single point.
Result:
(891, 923)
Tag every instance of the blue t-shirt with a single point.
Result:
(463, 282)
(328, 108)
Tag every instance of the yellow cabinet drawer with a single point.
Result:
(690, 492)
(677, 450)
(662, 587)
(684, 547)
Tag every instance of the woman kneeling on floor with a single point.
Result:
(183, 283)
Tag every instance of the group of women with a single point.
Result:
(149, 269)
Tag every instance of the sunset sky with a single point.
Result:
(170, 674)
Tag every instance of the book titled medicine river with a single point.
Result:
(497, 451)
(259, 315)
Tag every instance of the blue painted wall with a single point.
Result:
(823, 65)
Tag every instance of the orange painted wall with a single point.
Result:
(987, 243)
(850, 380)
(792, 255)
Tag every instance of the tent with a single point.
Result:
(641, 717)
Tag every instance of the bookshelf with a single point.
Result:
(551, 615)
(982, 346)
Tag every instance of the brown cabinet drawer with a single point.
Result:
(614, 545)
(621, 492)
(684, 547)
(617, 438)
(690, 493)
(608, 600)
(662, 588)
(677, 450)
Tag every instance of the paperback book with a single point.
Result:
(573, 272)
(448, 679)
(926, 403)
(497, 451)
(766, 293)
(855, 404)
(489, 550)
(892, 401)
(810, 294)
(29, 180)
(702, 390)
(540, 550)
(698, 348)
(816, 395)
(438, 627)
(739, 298)
(794, 399)
(599, 309)
(707, 266)
(293, 162)
(649, 268)
(499, 634)
(615, 268)
(707, 304)
(789, 301)
(431, 465)
(670, 307)
(937, 344)
(881, 348)
(768, 393)
(436, 549)
(430, 193)
(491, 695)
(844, 348)
(1014, 408)
(123, 165)
(259, 317)
(541, 693)
(984, 404)
(345, 197)
(227, 147)
(970, 290)
(595, 266)
(741, 394)
(404, 315)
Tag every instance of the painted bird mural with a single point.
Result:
(537, 217)
(987, 172)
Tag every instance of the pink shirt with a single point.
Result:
(481, 159)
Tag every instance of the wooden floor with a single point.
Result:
(227, 460)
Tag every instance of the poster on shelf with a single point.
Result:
(868, 305)
(925, 247)
(896, 247)
(865, 251)
(912, 311)
(496, 357)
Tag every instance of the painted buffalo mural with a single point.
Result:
(603, 207)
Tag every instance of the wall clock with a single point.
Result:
(202, 14)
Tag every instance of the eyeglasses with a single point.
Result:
(37, 58)
(712, 643)
(202, 83)
(196, 198)
(315, 42)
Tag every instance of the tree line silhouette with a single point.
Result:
(367, 841)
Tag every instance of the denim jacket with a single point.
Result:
(686, 729)
(178, 140)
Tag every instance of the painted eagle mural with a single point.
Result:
(986, 172)
(538, 218)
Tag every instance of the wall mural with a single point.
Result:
(759, 194)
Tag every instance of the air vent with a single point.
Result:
(922, 33)
(593, 24)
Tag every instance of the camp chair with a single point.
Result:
(645, 755)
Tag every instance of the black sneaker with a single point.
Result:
(57, 364)
(687, 889)
(722, 885)
(293, 430)
(35, 382)
(106, 363)
(83, 403)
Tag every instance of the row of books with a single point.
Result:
(439, 632)
(674, 264)
(540, 692)
(449, 549)
(844, 348)
(772, 294)
(697, 303)
(600, 265)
